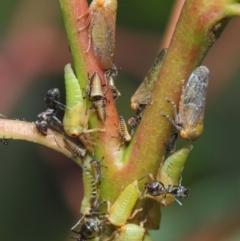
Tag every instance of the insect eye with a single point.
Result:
(75, 134)
(100, 3)
(186, 192)
(175, 191)
(133, 106)
(183, 134)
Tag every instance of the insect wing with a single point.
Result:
(73, 90)
(192, 103)
(75, 104)
(172, 167)
(103, 37)
(95, 87)
(121, 210)
(144, 91)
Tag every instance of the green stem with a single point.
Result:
(22, 130)
(194, 35)
(86, 64)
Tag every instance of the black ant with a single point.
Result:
(51, 100)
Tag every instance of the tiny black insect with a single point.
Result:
(51, 100)
(170, 146)
(5, 140)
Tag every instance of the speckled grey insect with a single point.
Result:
(189, 120)
(101, 32)
(143, 94)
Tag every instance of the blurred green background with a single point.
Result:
(40, 190)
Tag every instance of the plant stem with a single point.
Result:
(194, 35)
(22, 130)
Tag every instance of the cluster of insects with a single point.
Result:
(95, 224)
(114, 224)
(164, 189)
(100, 219)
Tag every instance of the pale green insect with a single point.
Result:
(90, 195)
(89, 202)
(90, 224)
(147, 237)
(129, 232)
(142, 96)
(167, 186)
(121, 209)
(171, 170)
(75, 121)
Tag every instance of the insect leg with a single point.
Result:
(176, 121)
(86, 138)
(135, 212)
(56, 120)
(3, 116)
(94, 130)
(173, 104)
(170, 191)
(176, 125)
(150, 175)
(78, 222)
(142, 222)
(86, 130)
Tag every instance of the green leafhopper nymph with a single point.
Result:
(75, 121)
(121, 209)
